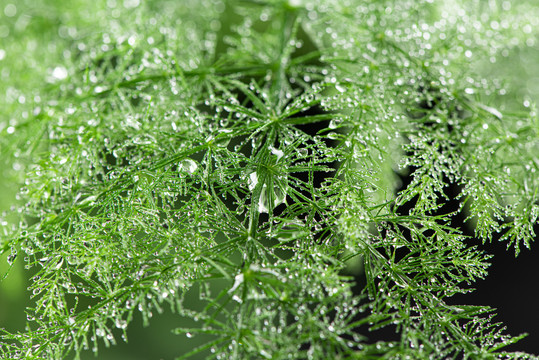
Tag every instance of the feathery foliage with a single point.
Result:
(244, 152)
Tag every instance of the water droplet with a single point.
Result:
(189, 166)
(278, 195)
(252, 181)
(121, 323)
(294, 3)
(11, 258)
(132, 122)
(280, 189)
(277, 152)
(263, 200)
(131, 3)
(10, 10)
(238, 280)
(331, 328)
(333, 136)
(59, 73)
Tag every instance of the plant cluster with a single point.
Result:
(244, 152)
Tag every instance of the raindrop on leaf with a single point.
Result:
(189, 166)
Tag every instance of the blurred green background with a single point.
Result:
(34, 34)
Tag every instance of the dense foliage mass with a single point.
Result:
(244, 152)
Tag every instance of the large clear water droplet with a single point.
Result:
(279, 190)
(277, 152)
(263, 200)
(252, 181)
(189, 166)
(277, 195)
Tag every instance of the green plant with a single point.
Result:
(172, 153)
